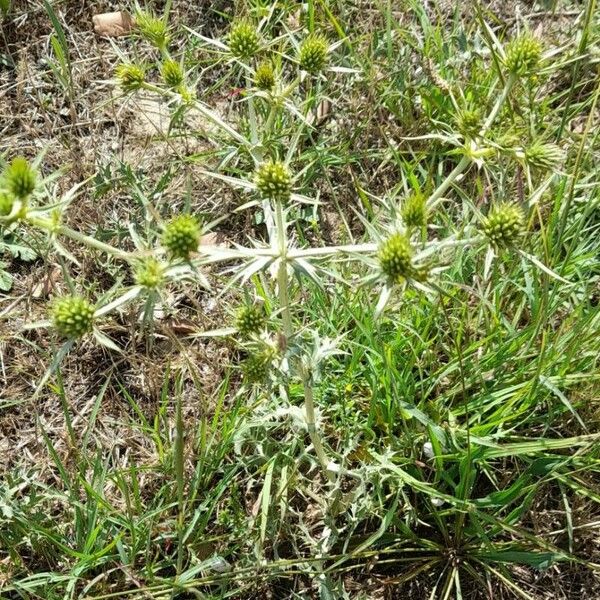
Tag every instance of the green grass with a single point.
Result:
(435, 438)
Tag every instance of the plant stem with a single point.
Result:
(87, 240)
(284, 303)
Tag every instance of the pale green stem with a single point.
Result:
(284, 303)
(91, 242)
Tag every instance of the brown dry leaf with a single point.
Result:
(113, 24)
(213, 238)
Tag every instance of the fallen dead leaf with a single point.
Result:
(113, 24)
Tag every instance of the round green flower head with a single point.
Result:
(264, 78)
(414, 212)
(153, 29)
(249, 320)
(256, 367)
(171, 73)
(6, 204)
(243, 40)
(274, 181)
(395, 258)
(181, 236)
(313, 54)
(149, 273)
(504, 225)
(468, 122)
(20, 178)
(131, 77)
(543, 156)
(523, 54)
(73, 316)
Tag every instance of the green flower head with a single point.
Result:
(130, 77)
(149, 273)
(264, 78)
(153, 29)
(543, 155)
(274, 181)
(523, 54)
(414, 211)
(504, 225)
(20, 178)
(257, 366)
(73, 316)
(395, 258)
(181, 236)
(313, 54)
(172, 73)
(243, 40)
(250, 320)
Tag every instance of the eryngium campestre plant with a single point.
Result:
(73, 316)
(504, 224)
(414, 211)
(395, 258)
(523, 54)
(264, 77)
(181, 236)
(243, 40)
(468, 122)
(131, 77)
(172, 73)
(149, 273)
(153, 29)
(274, 181)
(312, 55)
(19, 178)
(250, 320)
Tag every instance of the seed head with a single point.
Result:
(188, 95)
(543, 156)
(20, 178)
(504, 225)
(395, 258)
(274, 181)
(313, 54)
(181, 236)
(414, 212)
(131, 77)
(468, 121)
(153, 29)
(264, 78)
(250, 320)
(256, 367)
(149, 273)
(523, 54)
(73, 316)
(172, 73)
(243, 40)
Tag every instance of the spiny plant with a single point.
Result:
(402, 260)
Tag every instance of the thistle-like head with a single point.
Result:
(504, 225)
(264, 77)
(19, 178)
(172, 73)
(523, 54)
(250, 320)
(72, 316)
(274, 181)
(244, 42)
(131, 77)
(312, 55)
(395, 258)
(181, 236)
